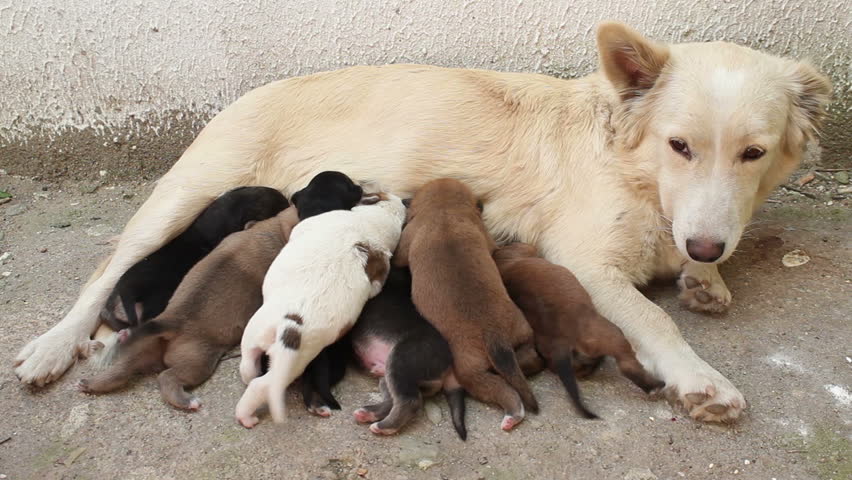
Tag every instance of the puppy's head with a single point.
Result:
(444, 194)
(237, 209)
(717, 125)
(326, 192)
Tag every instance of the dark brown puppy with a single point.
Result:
(564, 319)
(204, 319)
(457, 287)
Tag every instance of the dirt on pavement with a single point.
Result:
(786, 343)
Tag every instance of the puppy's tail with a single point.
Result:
(455, 400)
(503, 359)
(283, 357)
(565, 371)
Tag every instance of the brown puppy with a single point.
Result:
(457, 288)
(564, 319)
(204, 319)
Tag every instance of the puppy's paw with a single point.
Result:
(83, 386)
(193, 404)
(123, 335)
(509, 422)
(248, 421)
(88, 348)
(375, 428)
(47, 357)
(704, 295)
(320, 410)
(362, 415)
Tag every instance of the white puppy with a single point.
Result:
(312, 295)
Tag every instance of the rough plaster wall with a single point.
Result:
(116, 73)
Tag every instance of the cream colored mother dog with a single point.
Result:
(651, 166)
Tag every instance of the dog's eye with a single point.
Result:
(679, 146)
(753, 153)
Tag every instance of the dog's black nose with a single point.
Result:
(704, 250)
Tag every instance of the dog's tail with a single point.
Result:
(565, 370)
(455, 400)
(283, 364)
(503, 359)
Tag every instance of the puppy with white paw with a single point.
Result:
(313, 293)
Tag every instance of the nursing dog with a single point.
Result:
(564, 319)
(650, 167)
(456, 286)
(312, 295)
(204, 319)
(391, 340)
(144, 290)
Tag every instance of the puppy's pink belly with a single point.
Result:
(374, 355)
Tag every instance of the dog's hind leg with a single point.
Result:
(190, 364)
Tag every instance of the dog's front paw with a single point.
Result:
(704, 295)
(47, 357)
(704, 393)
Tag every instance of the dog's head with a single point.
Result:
(716, 124)
(327, 191)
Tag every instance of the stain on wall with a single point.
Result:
(125, 86)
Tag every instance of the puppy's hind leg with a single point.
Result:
(378, 411)
(491, 388)
(190, 365)
(255, 395)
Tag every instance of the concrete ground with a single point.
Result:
(786, 343)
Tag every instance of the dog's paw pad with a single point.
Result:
(704, 296)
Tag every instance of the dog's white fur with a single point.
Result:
(320, 277)
(581, 168)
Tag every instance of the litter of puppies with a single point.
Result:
(415, 292)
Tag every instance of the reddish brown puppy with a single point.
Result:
(456, 286)
(564, 319)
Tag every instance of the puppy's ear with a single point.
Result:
(406, 202)
(809, 93)
(630, 61)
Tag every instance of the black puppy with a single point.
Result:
(144, 290)
(327, 191)
(393, 340)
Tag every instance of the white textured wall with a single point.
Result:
(92, 64)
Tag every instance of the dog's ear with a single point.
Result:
(406, 202)
(631, 62)
(809, 93)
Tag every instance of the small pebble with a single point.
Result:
(5, 256)
(5, 199)
(42, 250)
(433, 411)
(844, 190)
(15, 210)
(102, 173)
(61, 224)
(6, 274)
(747, 462)
(842, 177)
